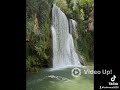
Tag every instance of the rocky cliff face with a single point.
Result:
(91, 24)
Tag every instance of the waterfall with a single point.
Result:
(73, 31)
(64, 53)
(72, 24)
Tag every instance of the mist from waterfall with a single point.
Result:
(64, 53)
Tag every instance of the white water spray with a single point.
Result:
(64, 53)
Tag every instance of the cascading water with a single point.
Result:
(72, 25)
(64, 53)
(73, 31)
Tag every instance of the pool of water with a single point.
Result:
(62, 79)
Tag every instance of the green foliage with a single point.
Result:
(86, 38)
(62, 4)
(38, 23)
(31, 62)
(86, 46)
(38, 49)
(29, 27)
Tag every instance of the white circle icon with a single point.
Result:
(76, 72)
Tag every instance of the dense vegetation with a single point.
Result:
(38, 32)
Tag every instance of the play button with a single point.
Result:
(76, 72)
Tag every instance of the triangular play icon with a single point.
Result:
(76, 72)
